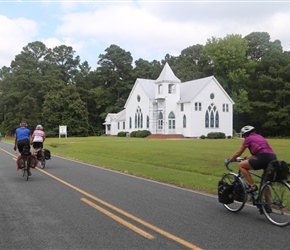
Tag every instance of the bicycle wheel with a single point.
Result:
(240, 194)
(42, 163)
(275, 197)
(25, 171)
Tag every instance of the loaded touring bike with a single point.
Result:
(26, 161)
(272, 198)
(40, 157)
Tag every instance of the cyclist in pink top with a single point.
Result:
(37, 138)
(261, 154)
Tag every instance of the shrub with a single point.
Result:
(202, 137)
(229, 137)
(216, 135)
(140, 133)
(133, 134)
(122, 134)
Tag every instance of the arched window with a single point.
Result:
(217, 119)
(206, 119)
(160, 120)
(130, 122)
(184, 121)
(171, 120)
(147, 122)
(160, 89)
(212, 117)
(138, 118)
(171, 89)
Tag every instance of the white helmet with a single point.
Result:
(23, 124)
(247, 129)
(39, 127)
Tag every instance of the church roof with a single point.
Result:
(189, 90)
(149, 87)
(113, 117)
(167, 75)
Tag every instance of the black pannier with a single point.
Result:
(225, 192)
(239, 191)
(25, 151)
(46, 154)
(39, 155)
(277, 171)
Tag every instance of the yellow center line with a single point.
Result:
(118, 219)
(156, 229)
(13, 155)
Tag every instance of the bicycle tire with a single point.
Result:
(276, 195)
(25, 171)
(42, 163)
(240, 198)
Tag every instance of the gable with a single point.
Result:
(147, 87)
(191, 89)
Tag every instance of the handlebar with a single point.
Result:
(238, 159)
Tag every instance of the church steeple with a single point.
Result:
(167, 75)
(167, 85)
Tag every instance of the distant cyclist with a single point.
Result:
(261, 154)
(38, 138)
(22, 137)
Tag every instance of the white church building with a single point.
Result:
(168, 106)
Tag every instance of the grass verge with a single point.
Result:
(189, 163)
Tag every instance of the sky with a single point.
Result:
(147, 29)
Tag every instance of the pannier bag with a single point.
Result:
(46, 154)
(20, 161)
(25, 152)
(225, 192)
(239, 193)
(277, 171)
(32, 161)
(39, 155)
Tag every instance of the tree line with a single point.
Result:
(53, 87)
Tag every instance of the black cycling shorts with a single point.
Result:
(261, 161)
(37, 144)
(21, 144)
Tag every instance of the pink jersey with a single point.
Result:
(38, 135)
(257, 145)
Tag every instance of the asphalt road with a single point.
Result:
(71, 205)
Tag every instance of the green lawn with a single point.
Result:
(189, 163)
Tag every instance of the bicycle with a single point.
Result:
(40, 157)
(26, 158)
(272, 198)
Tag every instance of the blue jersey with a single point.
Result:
(22, 134)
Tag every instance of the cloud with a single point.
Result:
(147, 29)
(54, 42)
(15, 34)
(152, 29)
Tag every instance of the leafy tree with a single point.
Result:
(226, 60)
(115, 74)
(258, 44)
(146, 70)
(63, 106)
(189, 65)
(63, 57)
